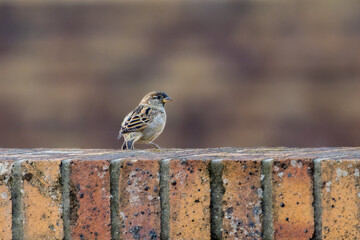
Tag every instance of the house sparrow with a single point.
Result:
(146, 122)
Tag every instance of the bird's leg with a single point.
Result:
(155, 145)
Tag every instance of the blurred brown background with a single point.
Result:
(244, 74)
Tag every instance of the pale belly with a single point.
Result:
(154, 129)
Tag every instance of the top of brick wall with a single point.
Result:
(209, 153)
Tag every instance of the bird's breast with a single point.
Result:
(155, 127)
(159, 122)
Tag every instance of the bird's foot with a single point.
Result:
(154, 145)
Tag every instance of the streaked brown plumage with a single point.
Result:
(146, 122)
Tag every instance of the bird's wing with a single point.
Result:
(138, 119)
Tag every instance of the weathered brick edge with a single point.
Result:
(180, 193)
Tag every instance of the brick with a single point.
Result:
(293, 214)
(90, 199)
(139, 207)
(242, 199)
(5, 199)
(340, 199)
(189, 199)
(42, 199)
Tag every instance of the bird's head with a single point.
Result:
(156, 99)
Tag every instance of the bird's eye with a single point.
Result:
(156, 97)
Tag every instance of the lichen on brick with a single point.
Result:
(139, 202)
(241, 200)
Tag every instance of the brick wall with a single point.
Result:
(224, 193)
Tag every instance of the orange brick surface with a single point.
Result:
(242, 199)
(90, 199)
(340, 199)
(185, 185)
(42, 199)
(5, 199)
(293, 214)
(189, 198)
(139, 207)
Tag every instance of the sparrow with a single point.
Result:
(146, 122)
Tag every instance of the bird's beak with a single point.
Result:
(167, 99)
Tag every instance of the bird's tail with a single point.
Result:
(128, 145)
